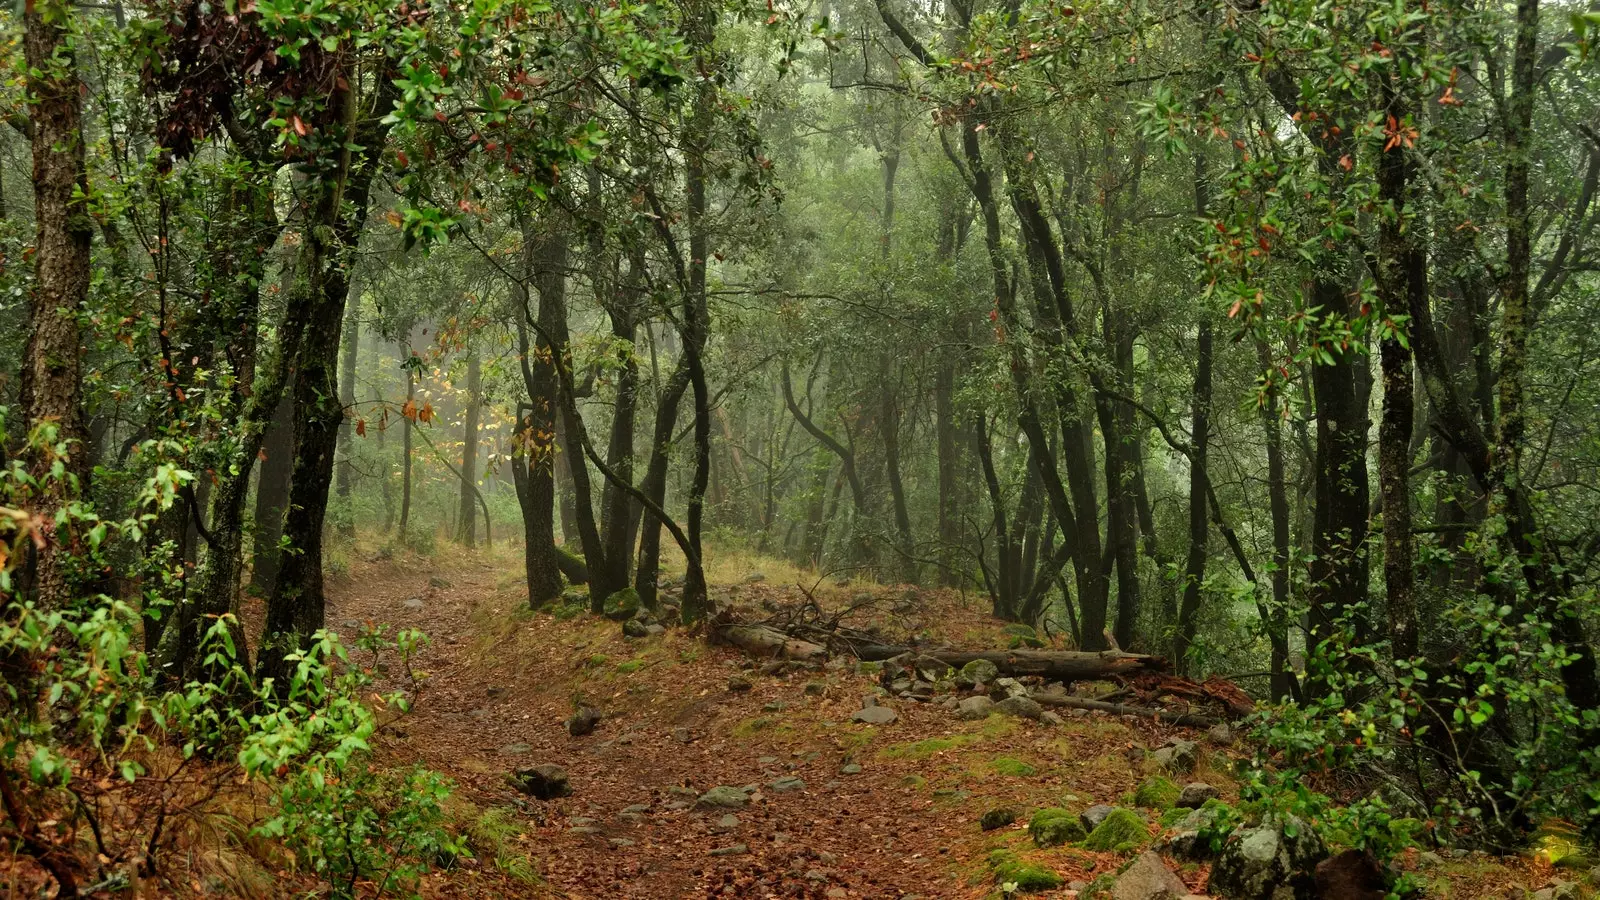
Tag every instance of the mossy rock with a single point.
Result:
(624, 604)
(1028, 877)
(1157, 792)
(1054, 827)
(1119, 831)
(996, 818)
(1017, 629)
(1014, 768)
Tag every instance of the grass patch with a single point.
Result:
(1012, 767)
(752, 727)
(492, 835)
(630, 666)
(1028, 878)
(1156, 792)
(929, 746)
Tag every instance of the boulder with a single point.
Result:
(874, 715)
(979, 671)
(786, 784)
(1120, 831)
(1009, 687)
(542, 782)
(1188, 841)
(1094, 815)
(1054, 827)
(1220, 734)
(623, 604)
(1178, 756)
(583, 722)
(974, 708)
(1351, 875)
(754, 578)
(998, 817)
(1269, 863)
(633, 628)
(1148, 879)
(738, 684)
(723, 797)
(1020, 707)
(1195, 794)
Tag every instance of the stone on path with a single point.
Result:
(735, 850)
(973, 708)
(583, 721)
(543, 782)
(875, 715)
(723, 796)
(1020, 707)
(786, 784)
(1148, 879)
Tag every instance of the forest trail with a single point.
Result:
(904, 824)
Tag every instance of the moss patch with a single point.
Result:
(752, 727)
(1011, 767)
(1028, 877)
(1054, 827)
(1156, 792)
(630, 666)
(1121, 831)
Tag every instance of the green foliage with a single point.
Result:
(1011, 767)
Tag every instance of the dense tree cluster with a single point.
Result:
(1254, 335)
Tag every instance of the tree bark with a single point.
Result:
(51, 390)
(1194, 568)
(466, 515)
(272, 494)
(345, 476)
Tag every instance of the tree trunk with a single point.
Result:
(335, 218)
(51, 389)
(616, 505)
(272, 495)
(1194, 569)
(1283, 680)
(466, 516)
(405, 442)
(648, 572)
(346, 515)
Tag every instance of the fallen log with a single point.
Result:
(1061, 665)
(762, 640)
(1046, 698)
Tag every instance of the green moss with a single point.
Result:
(1054, 827)
(914, 781)
(927, 747)
(1173, 816)
(1123, 827)
(597, 661)
(1028, 877)
(622, 605)
(1156, 792)
(629, 667)
(751, 727)
(1013, 768)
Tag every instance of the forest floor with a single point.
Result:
(887, 811)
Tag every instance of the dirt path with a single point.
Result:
(883, 812)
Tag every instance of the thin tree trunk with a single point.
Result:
(1194, 569)
(466, 515)
(272, 495)
(345, 476)
(405, 443)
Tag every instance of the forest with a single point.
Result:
(849, 448)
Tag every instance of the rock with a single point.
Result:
(633, 628)
(1054, 827)
(999, 817)
(1149, 879)
(729, 822)
(774, 706)
(413, 603)
(654, 630)
(979, 671)
(1220, 734)
(815, 688)
(494, 692)
(1010, 687)
(724, 797)
(735, 850)
(1195, 794)
(435, 581)
(582, 821)
(1121, 830)
(516, 749)
(1257, 862)
(786, 784)
(1156, 792)
(623, 604)
(738, 684)
(1187, 842)
(874, 715)
(850, 769)
(1020, 707)
(1094, 815)
(583, 721)
(620, 842)
(1049, 718)
(682, 735)
(542, 782)
(1429, 859)
(975, 708)
(1178, 756)
(754, 578)
(1351, 875)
